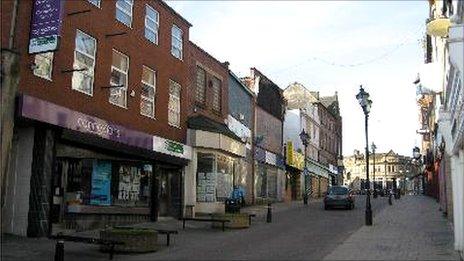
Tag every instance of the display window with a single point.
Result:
(99, 182)
(215, 177)
(266, 181)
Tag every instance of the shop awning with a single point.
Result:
(207, 124)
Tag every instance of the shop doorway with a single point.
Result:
(170, 187)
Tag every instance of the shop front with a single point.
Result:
(218, 165)
(270, 178)
(92, 173)
(319, 178)
(295, 180)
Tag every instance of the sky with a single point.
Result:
(327, 46)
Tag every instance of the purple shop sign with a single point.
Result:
(40, 110)
(45, 25)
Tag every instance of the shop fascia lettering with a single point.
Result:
(172, 148)
(99, 128)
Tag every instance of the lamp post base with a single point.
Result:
(368, 217)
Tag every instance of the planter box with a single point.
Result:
(135, 240)
(237, 220)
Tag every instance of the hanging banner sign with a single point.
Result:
(45, 25)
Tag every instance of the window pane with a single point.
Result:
(83, 62)
(85, 44)
(151, 36)
(95, 2)
(82, 82)
(123, 17)
(216, 84)
(150, 23)
(176, 42)
(174, 104)
(120, 61)
(201, 85)
(152, 13)
(43, 65)
(148, 91)
(148, 76)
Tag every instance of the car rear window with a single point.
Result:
(338, 191)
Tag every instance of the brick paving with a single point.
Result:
(411, 229)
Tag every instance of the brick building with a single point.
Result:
(330, 153)
(218, 152)
(100, 132)
(269, 174)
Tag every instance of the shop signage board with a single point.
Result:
(40, 110)
(238, 128)
(101, 183)
(172, 148)
(45, 25)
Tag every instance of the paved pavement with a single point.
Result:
(413, 229)
(297, 232)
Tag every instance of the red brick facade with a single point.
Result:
(213, 68)
(99, 23)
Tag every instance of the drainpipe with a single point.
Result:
(13, 25)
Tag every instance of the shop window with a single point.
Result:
(133, 186)
(119, 80)
(206, 178)
(84, 63)
(215, 177)
(43, 65)
(174, 104)
(124, 11)
(225, 177)
(104, 182)
(147, 97)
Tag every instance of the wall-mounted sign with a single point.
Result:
(45, 25)
(238, 128)
(51, 113)
(172, 148)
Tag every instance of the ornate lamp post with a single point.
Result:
(366, 103)
(373, 148)
(304, 136)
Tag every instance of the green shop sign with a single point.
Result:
(174, 147)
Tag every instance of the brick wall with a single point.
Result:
(99, 22)
(214, 68)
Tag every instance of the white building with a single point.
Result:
(446, 53)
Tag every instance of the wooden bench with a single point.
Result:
(167, 233)
(223, 221)
(59, 248)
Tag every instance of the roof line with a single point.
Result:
(241, 83)
(163, 3)
(225, 64)
(262, 74)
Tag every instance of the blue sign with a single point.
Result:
(101, 183)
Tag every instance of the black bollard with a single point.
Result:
(269, 213)
(390, 199)
(305, 199)
(59, 250)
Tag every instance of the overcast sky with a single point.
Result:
(327, 46)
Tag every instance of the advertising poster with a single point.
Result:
(101, 183)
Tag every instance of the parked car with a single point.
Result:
(338, 196)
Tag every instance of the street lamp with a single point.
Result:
(304, 136)
(366, 103)
(373, 147)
